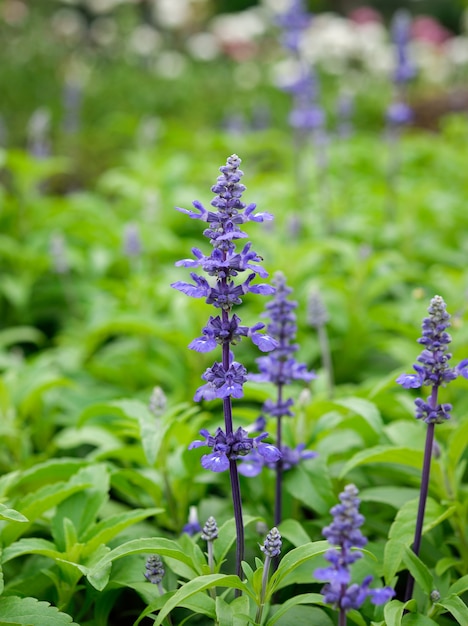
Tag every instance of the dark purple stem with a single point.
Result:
(423, 491)
(279, 464)
(233, 473)
(342, 617)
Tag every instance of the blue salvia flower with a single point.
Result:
(345, 535)
(401, 35)
(253, 464)
(224, 288)
(232, 446)
(399, 112)
(293, 22)
(432, 367)
(280, 368)
(192, 527)
(433, 370)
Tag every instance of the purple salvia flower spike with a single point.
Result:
(280, 368)
(432, 370)
(226, 378)
(344, 533)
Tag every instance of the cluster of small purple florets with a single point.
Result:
(280, 367)
(306, 114)
(226, 379)
(432, 367)
(231, 446)
(344, 533)
(399, 112)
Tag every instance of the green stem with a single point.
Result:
(261, 606)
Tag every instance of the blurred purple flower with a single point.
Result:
(344, 533)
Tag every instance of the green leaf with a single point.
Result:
(402, 528)
(227, 537)
(459, 586)
(31, 545)
(109, 528)
(311, 486)
(240, 608)
(31, 612)
(393, 557)
(305, 598)
(393, 612)
(457, 443)
(415, 619)
(98, 574)
(11, 515)
(192, 588)
(367, 410)
(293, 559)
(385, 454)
(294, 532)
(151, 430)
(419, 570)
(456, 607)
(394, 496)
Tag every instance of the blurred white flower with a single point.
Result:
(103, 31)
(203, 46)
(103, 6)
(144, 40)
(456, 50)
(241, 26)
(170, 64)
(172, 13)
(68, 24)
(433, 65)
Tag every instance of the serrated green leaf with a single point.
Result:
(31, 612)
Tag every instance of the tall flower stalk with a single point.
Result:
(223, 290)
(432, 370)
(281, 368)
(345, 536)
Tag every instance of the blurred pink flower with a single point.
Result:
(426, 28)
(365, 15)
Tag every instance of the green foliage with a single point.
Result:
(92, 481)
